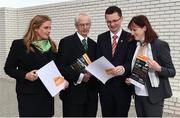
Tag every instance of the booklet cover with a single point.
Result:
(80, 64)
(51, 78)
(140, 71)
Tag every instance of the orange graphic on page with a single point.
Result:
(58, 80)
(109, 71)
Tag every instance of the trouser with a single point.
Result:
(144, 108)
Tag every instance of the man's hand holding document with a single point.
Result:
(102, 69)
(52, 78)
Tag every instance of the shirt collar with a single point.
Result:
(141, 42)
(81, 37)
(118, 34)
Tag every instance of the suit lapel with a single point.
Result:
(107, 45)
(78, 43)
(91, 49)
(89, 45)
(120, 45)
(154, 51)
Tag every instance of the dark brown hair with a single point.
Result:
(141, 21)
(113, 9)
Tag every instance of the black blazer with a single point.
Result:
(70, 48)
(121, 56)
(19, 62)
(161, 54)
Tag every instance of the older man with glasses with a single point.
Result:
(81, 97)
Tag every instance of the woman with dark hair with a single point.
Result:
(26, 56)
(149, 99)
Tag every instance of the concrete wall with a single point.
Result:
(164, 16)
(2, 39)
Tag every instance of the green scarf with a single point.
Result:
(42, 45)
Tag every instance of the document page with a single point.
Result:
(101, 69)
(51, 78)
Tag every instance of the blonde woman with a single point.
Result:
(26, 56)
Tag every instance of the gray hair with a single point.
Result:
(76, 19)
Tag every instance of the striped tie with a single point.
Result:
(114, 44)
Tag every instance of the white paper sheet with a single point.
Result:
(136, 83)
(98, 69)
(47, 75)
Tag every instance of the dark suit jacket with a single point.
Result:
(19, 62)
(71, 48)
(161, 54)
(121, 57)
(33, 98)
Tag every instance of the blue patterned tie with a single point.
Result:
(85, 44)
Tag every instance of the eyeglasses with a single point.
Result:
(84, 25)
(113, 21)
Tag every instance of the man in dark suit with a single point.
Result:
(115, 95)
(81, 97)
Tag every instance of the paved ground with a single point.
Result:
(8, 102)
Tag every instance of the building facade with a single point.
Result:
(164, 16)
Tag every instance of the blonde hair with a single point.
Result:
(31, 36)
